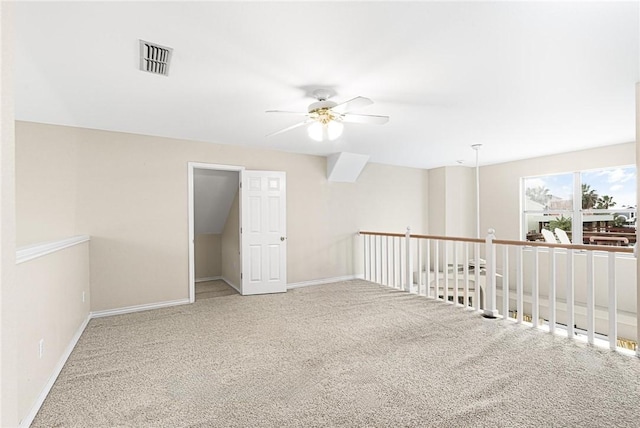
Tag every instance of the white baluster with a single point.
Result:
(389, 269)
(466, 275)
(384, 251)
(427, 268)
(436, 268)
(367, 248)
(490, 310)
(375, 258)
(419, 267)
(400, 264)
(519, 282)
(591, 322)
(613, 305)
(535, 287)
(445, 268)
(393, 261)
(455, 273)
(476, 272)
(505, 282)
(408, 259)
(552, 290)
(570, 295)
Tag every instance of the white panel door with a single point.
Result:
(264, 232)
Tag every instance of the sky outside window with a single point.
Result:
(556, 191)
(619, 183)
(548, 188)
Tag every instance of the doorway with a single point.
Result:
(251, 223)
(214, 224)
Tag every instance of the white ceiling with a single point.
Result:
(522, 78)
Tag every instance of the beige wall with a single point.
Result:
(208, 255)
(231, 245)
(461, 201)
(50, 308)
(51, 167)
(437, 195)
(452, 198)
(9, 290)
(500, 184)
(132, 200)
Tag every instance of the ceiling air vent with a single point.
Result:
(155, 58)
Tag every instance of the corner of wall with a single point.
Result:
(637, 199)
(425, 200)
(8, 286)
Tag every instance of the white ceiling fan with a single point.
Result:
(325, 118)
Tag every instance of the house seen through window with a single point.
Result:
(586, 207)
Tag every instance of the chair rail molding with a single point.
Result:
(30, 252)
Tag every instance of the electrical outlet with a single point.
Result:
(83, 297)
(40, 348)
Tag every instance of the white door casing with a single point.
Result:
(263, 231)
(192, 166)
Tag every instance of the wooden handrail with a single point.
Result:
(441, 238)
(399, 235)
(450, 238)
(605, 248)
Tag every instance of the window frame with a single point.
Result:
(577, 213)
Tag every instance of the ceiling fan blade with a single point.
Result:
(299, 113)
(365, 118)
(353, 104)
(289, 128)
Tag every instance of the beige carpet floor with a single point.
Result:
(212, 289)
(350, 354)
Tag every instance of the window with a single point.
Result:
(592, 207)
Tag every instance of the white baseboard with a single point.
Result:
(231, 284)
(138, 308)
(208, 278)
(56, 371)
(323, 281)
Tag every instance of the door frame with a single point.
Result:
(191, 167)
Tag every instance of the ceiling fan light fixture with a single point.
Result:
(316, 131)
(325, 118)
(334, 130)
(319, 131)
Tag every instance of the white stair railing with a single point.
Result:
(451, 269)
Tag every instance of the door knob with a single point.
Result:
(282, 238)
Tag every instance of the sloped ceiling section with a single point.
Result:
(345, 167)
(213, 195)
